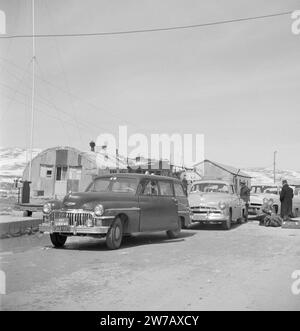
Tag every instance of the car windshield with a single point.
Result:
(114, 184)
(211, 187)
(256, 189)
(271, 190)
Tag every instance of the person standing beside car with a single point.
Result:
(245, 196)
(185, 184)
(286, 199)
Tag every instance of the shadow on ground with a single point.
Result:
(214, 227)
(88, 244)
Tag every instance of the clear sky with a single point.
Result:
(238, 84)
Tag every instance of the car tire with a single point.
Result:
(115, 234)
(183, 226)
(172, 234)
(227, 225)
(242, 219)
(58, 240)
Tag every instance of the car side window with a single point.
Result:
(165, 188)
(149, 187)
(179, 191)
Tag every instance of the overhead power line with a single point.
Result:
(148, 30)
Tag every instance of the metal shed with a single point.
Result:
(58, 170)
(212, 170)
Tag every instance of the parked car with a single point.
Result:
(117, 205)
(215, 202)
(264, 194)
(268, 194)
(296, 200)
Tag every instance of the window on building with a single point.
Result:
(58, 173)
(61, 173)
(46, 171)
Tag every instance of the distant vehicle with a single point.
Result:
(296, 200)
(264, 194)
(215, 202)
(268, 194)
(117, 205)
(297, 191)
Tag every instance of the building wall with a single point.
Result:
(210, 171)
(39, 183)
(64, 158)
(213, 172)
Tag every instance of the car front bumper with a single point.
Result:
(209, 218)
(72, 229)
(73, 223)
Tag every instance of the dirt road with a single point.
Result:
(248, 267)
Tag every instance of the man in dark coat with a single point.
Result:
(185, 184)
(245, 195)
(286, 198)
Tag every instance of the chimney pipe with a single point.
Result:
(92, 145)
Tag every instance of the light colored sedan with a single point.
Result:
(268, 194)
(264, 194)
(215, 202)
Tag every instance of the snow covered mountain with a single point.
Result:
(13, 162)
(265, 176)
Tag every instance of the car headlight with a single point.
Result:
(270, 202)
(47, 208)
(222, 205)
(265, 201)
(99, 210)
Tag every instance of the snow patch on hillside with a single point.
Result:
(13, 162)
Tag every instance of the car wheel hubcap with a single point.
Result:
(117, 233)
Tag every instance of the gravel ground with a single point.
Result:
(206, 268)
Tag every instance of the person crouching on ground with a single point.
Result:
(268, 216)
(286, 199)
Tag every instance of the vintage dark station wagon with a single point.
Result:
(117, 205)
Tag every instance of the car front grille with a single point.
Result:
(205, 210)
(77, 217)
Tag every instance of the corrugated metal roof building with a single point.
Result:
(58, 170)
(212, 170)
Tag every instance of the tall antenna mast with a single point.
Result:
(32, 92)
